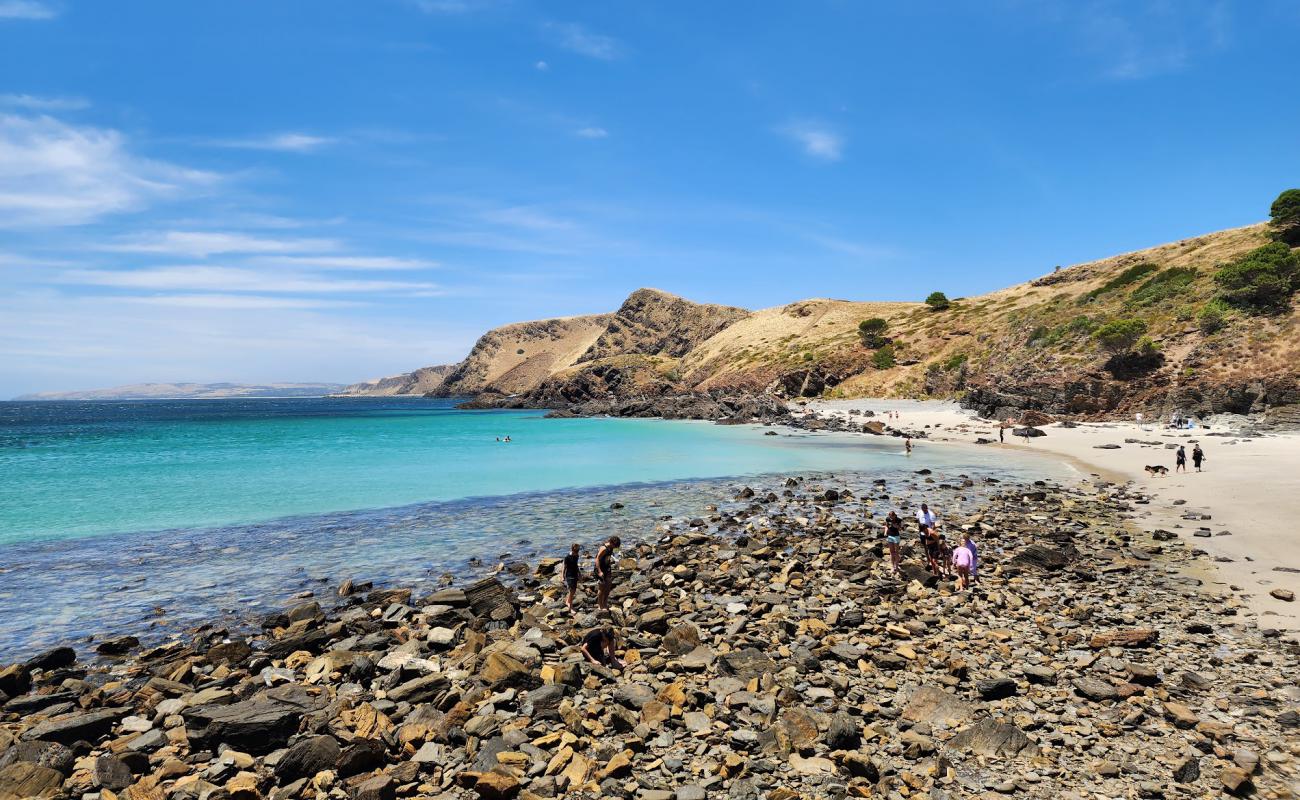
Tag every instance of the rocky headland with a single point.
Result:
(768, 653)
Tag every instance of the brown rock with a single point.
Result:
(1134, 637)
(23, 779)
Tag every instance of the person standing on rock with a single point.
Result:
(1198, 455)
(1180, 459)
(893, 536)
(963, 562)
(605, 571)
(571, 571)
(598, 646)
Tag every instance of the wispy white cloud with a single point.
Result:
(815, 139)
(528, 217)
(235, 302)
(452, 6)
(358, 263)
(26, 9)
(575, 38)
(201, 244)
(542, 66)
(205, 278)
(289, 142)
(37, 103)
(53, 173)
(592, 133)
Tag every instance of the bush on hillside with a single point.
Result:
(1285, 216)
(937, 301)
(1130, 275)
(872, 332)
(1162, 286)
(1119, 336)
(1262, 281)
(1212, 317)
(884, 357)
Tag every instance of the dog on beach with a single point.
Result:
(1157, 470)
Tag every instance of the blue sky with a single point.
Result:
(332, 190)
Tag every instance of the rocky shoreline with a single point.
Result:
(768, 654)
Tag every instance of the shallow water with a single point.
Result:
(131, 517)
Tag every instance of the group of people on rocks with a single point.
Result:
(960, 562)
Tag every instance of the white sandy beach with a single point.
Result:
(1250, 489)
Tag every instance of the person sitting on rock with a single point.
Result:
(598, 646)
(605, 571)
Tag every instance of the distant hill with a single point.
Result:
(1036, 345)
(192, 391)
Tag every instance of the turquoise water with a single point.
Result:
(148, 515)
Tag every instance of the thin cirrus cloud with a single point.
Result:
(205, 278)
(592, 133)
(236, 302)
(26, 9)
(55, 174)
(815, 139)
(357, 263)
(32, 102)
(280, 143)
(201, 244)
(577, 39)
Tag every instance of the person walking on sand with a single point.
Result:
(1002, 434)
(571, 572)
(605, 571)
(893, 536)
(1198, 455)
(598, 646)
(1180, 459)
(963, 562)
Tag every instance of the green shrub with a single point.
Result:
(1162, 286)
(1262, 281)
(1147, 346)
(1285, 216)
(955, 361)
(1119, 336)
(872, 332)
(1130, 275)
(884, 357)
(937, 301)
(1212, 317)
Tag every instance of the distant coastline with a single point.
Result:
(190, 391)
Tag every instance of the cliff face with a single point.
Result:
(1030, 346)
(416, 383)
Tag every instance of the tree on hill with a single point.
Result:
(1285, 215)
(872, 332)
(1262, 281)
(937, 301)
(1119, 336)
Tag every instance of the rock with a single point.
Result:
(1045, 558)
(1136, 637)
(1095, 689)
(681, 640)
(1235, 781)
(1285, 595)
(934, 706)
(258, 725)
(77, 726)
(995, 739)
(1180, 715)
(634, 695)
(497, 786)
(500, 670)
(117, 647)
(361, 755)
(112, 773)
(843, 733)
(57, 658)
(419, 690)
(1188, 770)
(23, 779)
(307, 757)
(46, 754)
(15, 679)
(995, 688)
(380, 787)
(747, 663)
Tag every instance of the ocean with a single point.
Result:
(148, 516)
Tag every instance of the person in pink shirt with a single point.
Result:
(963, 561)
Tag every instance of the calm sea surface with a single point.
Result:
(151, 515)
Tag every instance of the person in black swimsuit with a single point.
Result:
(571, 571)
(598, 646)
(1198, 455)
(893, 535)
(1180, 459)
(605, 571)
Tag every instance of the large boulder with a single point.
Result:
(934, 706)
(307, 757)
(78, 726)
(991, 738)
(257, 725)
(23, 779)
